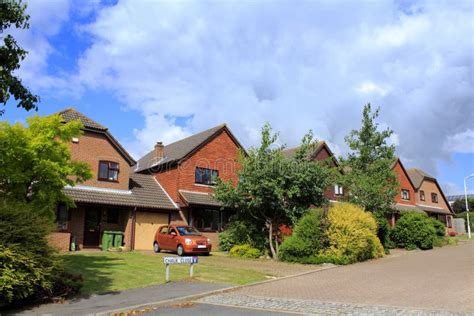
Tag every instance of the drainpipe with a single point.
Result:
(134, 220)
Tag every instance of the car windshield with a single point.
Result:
(188, 231)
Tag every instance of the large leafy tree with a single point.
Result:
(36, 161)
(12, 13)
(273, 190)
(367, 171)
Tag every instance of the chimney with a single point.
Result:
(159, 150)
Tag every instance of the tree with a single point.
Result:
(36, 161)
(367, 171)
(12, 13)
(273, 190)
(459, 206)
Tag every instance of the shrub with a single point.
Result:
(240, 232)
(307, 239)
(414, 230)
(29, 266)
(439, 227)
(244, 251)
(383, 231)
(352, 235)
(20, 276)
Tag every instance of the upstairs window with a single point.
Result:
(108, 171)
(206, 176)
(434, 197)
(422, 195)
(405, 194)
(338, 190)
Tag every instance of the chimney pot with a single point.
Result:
(159, 150)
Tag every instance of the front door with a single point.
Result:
(92, 227)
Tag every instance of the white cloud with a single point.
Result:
(368, 87)
(461, 142)
(298, 65)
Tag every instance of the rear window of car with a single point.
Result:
(164, 230)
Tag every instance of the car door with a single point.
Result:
(163, 239)
(173, 239)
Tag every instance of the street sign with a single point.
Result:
(180, 260)
(168, 261)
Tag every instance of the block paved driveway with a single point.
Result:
(437, 280)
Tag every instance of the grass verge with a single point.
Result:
(105, 271)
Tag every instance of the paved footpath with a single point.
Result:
(439, 281)
(97, 304)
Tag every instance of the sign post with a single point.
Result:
(168, 261)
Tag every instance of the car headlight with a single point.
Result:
(209, 241)
(188, 241)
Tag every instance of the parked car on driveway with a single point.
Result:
(181, 239)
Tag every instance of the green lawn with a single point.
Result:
(106, 271)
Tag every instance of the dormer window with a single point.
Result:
(434, 197)
(206, 176)
(405, 194)
(108, 171)
(338, 190)
(422, 195)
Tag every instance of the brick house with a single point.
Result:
(430, 197)
(405, 200)
(420, 192)
(187, 170)
(323, 153)
(113, 199)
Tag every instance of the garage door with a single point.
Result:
(145, 228)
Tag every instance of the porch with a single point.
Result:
(86, 224)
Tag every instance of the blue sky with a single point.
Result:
(161, 70)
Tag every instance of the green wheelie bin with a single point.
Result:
(107, 240)
(118, 239)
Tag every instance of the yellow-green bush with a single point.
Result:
(352, 234)
(244, 251)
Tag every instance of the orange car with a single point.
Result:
(181, 239)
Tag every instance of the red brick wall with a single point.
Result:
(323, 155)
(92, 148)
(404, 184)
(59, 240)
(220, 154)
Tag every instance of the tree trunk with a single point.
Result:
(270, 239)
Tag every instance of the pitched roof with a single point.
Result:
(71, 114)
(417, 176)
(199, 198)
(320, 145)
(144, 192)
(181, 149)
(291, 152)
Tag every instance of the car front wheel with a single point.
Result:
(156, 247)
(180, 250)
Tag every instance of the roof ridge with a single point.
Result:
(198, 133)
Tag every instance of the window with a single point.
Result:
(108, 171)
(206, 220)
(422, 195)
(449, 221)
(164, 230)
(206, 176)
(62, 217)
(112, 216)
(434, 197)
(405, 194)
(338, 190)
